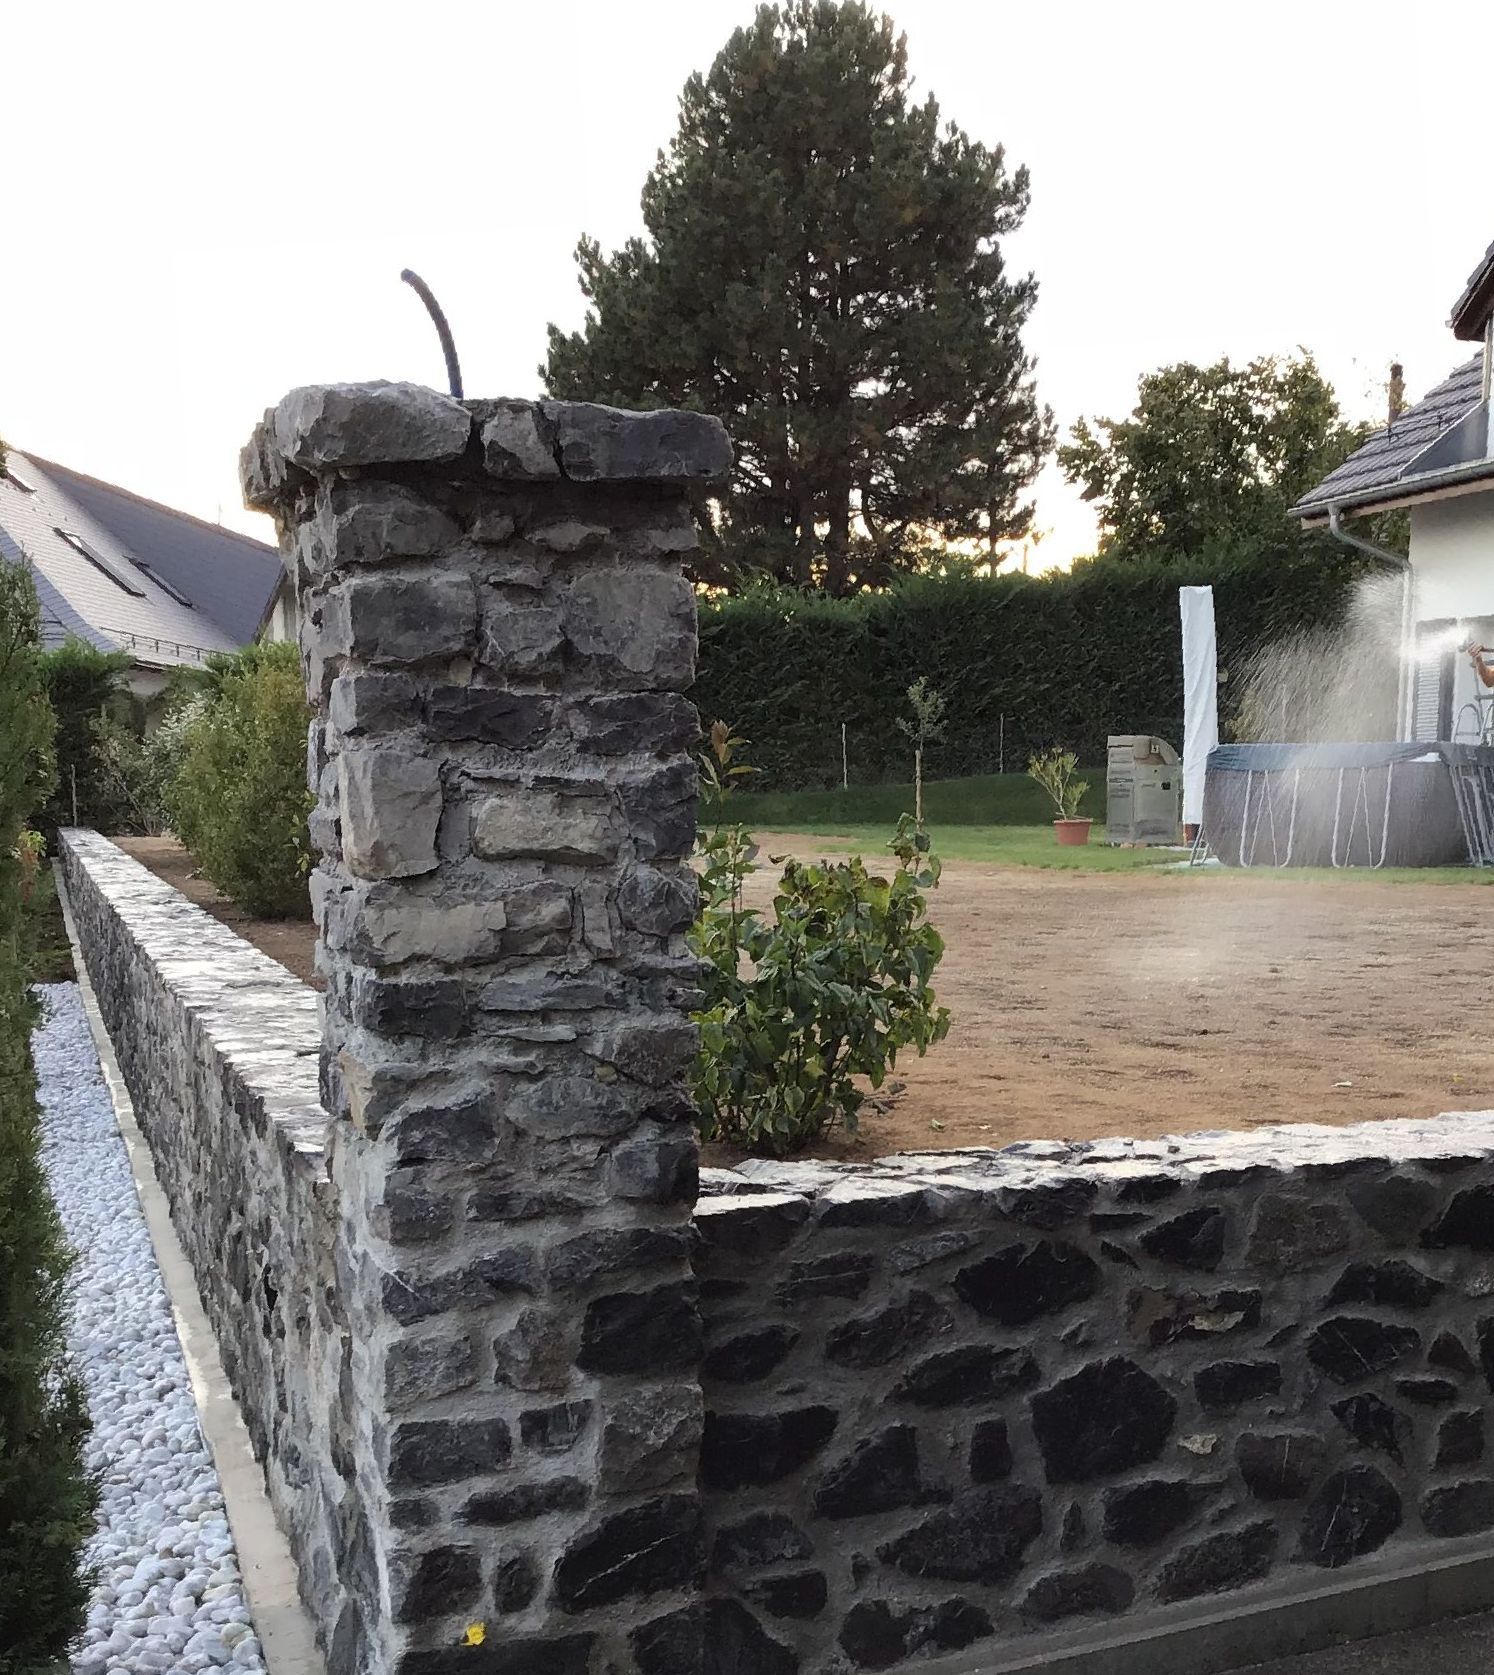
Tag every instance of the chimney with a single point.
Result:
(1397, 392)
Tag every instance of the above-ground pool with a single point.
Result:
(1361, 805)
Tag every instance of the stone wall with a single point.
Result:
(964, 1398)
(497, 635)
(218, 1045)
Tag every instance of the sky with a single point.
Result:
(207, 205)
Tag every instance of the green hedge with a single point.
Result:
(238, 797)
(46, 1498)
(1067, 659)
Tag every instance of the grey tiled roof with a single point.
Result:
(1378, 469)
(224, 580)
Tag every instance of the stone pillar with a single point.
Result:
(497, 637)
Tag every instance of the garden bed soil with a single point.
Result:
(1093, 1004)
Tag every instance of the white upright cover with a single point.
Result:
(1200, 695)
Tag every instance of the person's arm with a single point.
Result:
(1481, 668)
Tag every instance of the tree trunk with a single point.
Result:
(918, 784)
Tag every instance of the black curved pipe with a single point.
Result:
(443, 331)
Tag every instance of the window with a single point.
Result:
(99, 562)
(11, 475)
(160, 581)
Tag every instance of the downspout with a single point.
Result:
(1408, 605)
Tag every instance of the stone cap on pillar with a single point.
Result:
(343, 427)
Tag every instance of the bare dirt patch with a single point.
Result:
(1086, 1005)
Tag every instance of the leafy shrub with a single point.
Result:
(238, 798)
(86, 689)
(830, 988)
(1056, 770)
(46, 1498)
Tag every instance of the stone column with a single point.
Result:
(497, 637)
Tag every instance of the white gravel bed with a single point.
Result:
(168, 1595)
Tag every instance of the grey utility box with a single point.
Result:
(1143, 790)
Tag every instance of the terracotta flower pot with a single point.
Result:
(1072, 833)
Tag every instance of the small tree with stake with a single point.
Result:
(925, 728)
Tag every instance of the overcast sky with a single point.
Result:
(208, 204)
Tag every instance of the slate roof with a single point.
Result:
(1384, 468)
(1471, 311)
(224, 580)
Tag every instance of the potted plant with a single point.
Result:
(1054, 770)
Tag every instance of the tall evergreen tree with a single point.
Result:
(823, 270)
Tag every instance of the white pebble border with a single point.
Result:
(168, 1596)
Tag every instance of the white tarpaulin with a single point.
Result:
(1200, 695)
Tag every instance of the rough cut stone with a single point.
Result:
(641, 1550)
(1159, 1318)
(639, 624)
(750, 1355)
(1468, 1222)
(1218, 1563)
(714, 1636)
(745, 1450)
(874, 1339)
(1460, 1439)
(376, 423)
(545, 826)
(1396, 1206)
(1143, 1514)
(1048, 1205)
(879, 1474)
(1393, 1284)
(392, 618)
(557, 1429)
(1194, 1239)
(1373, 1423)
(1459, 1508)
(878, 1633)
(982, 1536)
(763, 1539)
(1024, 1282)
(488, 715)
(526, 1501)
(1354, 1512)
(1107, 1417)
(799, 1596)
(516, 1580)
(371, 522)
(964, 1377)
(990, 1452)
(1290, 1233)
(606, 444)
(658, 723)
(646, 1333)
(431, 1584)
(1089, 1591)
(512, 444)
(426, 1452)
(1281, 1466)
(651, 1439)
(390, 806)
(1349, 1348)
(1225, 1385)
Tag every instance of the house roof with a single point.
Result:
(1401, 461)
(1470, 315)
(160, 584)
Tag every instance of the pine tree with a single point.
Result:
(46, 1499)
(823, 270)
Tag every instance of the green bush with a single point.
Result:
(831, 987)
(46, 1497)
(238, 799)
(86, 689)
(1066, 658)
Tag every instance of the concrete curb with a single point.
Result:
(281, 1622)
(1284, 1619)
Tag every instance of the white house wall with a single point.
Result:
(1452, 561)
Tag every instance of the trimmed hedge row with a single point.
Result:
(1066, 658)
(46, 1496)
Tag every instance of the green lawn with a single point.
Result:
(983, 800)
(1008, 846)
(1000, 819)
